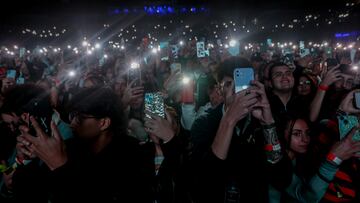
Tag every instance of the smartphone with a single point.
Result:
(42, 111)
(134, 74)
(11, 74)
(154, 103)
(20, 80)
(187, 92)
(243, 78)
(331, 62)
(346, 123)
(357, 100)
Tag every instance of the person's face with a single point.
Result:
(88, 83)
(120, 86)
(84, 126)
(300, 138)
(215, 97)
(317, 68)
(345, 83)
(12, 121)
(282, 79)
(109, 74)
(304, 86)
(227, 89)
(7, 83)
(137, 103)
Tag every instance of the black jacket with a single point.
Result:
(246, 165)
(119, 173)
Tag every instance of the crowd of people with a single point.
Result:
(78, 126)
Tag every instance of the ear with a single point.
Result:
(270, 83)
(104, 123)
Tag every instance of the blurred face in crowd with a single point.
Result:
(215, 97)
(304, 86)
(12, 120)
(299, 137)
(7, 83)
(119, 86)
(88, 83)
(227, 89)
(345, 83)
(84, 125)
(316, 67)
(282, 79)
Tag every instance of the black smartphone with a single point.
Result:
(331, 62)
(42, 111)
(134, 74)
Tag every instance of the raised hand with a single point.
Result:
(262, 110)
(49, 148)
(330, 76)
(347, 148)
(159, 128)
(132, 94)
(347, 104)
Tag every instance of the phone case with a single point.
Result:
(346, 123)
(243, 78)
(154, 103)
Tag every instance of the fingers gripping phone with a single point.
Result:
(243, 78)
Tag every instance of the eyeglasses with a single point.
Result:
(306, 82)
(79, 118)
(280, 74)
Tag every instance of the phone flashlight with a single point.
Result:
(72, 73)
(134, 65)
(185, 80)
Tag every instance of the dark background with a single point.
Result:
(82, 17)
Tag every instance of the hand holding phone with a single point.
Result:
(134, 74)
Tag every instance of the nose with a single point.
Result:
(73, 123)
(305, 138)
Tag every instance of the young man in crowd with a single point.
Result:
(101, 163)
(236, 152)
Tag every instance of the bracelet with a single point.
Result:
(341, 112)
(334, 159)
(270, 147)
(323, 87)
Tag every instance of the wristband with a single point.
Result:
(270, 147)
(334, 159)
(323, 87)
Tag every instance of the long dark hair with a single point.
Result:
(304, 162)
